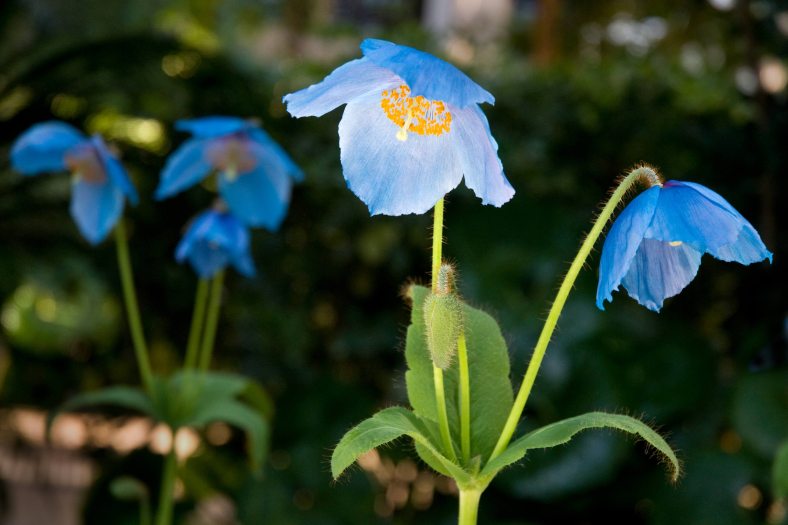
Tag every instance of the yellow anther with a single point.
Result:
(675, 243)
(415, 114)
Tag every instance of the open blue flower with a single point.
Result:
(654, 247)
(214, 240)
(100, 184)
(255, 173)
(411, 129)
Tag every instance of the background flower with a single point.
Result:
(214, 240)
(411, 129)
(654, 247)
(255, 173)
(100, 183)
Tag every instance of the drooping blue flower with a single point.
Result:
(255, 174)
(100, 183)
(214, 240)
(411, 129)
(654, 247)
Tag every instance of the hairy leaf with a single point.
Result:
(563, 431)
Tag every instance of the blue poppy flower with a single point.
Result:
(214, 240)
(654, 247)
(255, 173)
(100, 184)
(411, 129)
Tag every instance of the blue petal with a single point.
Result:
(622, 243)
(259, 197)
(213, 240)
(290, 167)
(211, 127)
(115, 170)
(685, 215)
(394, 177)
(349, 81)
(96, 208)
(425, 74)
(748, 247)
(477, 152)
(43, 147)
(659, 271)
(184, 168)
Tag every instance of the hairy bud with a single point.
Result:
(443, 319)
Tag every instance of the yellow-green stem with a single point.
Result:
(437, 373)
(560, 299)
(469, 506)
(443, 416)
(198, 321)
(211, 320)
(132, 308)
(465, 398)
(167, 489)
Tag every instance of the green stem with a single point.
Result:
(465, 398)
(212, 320)
(437, 373)
(164, 514)
(198, 321)
(437, 243)
(469, 506)
(443, 416)
(560, 299)
(132, 309)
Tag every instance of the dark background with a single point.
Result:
(584, 91)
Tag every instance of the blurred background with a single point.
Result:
(584, 90)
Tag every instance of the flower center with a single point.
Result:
(84, 163)
(675, 243)
(231, 155)
(415, 114)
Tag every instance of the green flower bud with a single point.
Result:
(443, 319)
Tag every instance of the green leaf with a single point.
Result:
(385, 426)
(563, 431)
(491, 390)
(119, 396)
(235, 413)
(780, 472)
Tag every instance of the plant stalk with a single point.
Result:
(198, 322)
(465, 398)
(167, 490)
(516, 412)
(212, 320)
(132, 308)
(437, 373)
(469, 506)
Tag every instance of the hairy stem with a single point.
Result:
(198, 322)
(626, 183)
(211, 320)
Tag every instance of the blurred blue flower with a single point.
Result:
(213, 240)
(411, 129)
(255, 173)
(654, 247)
(99, 181)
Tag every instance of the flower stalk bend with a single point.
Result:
(132, 308)
(644, 173)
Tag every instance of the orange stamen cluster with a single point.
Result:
(415, 114)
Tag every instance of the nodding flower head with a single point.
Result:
(214, 240)
(100, 184)
(654, 247)
(411, 130)
(255, 174)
